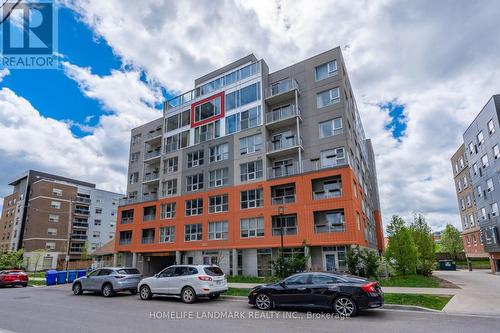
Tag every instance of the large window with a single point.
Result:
(176, 141)
(250, 144)
(177, 121)
(250, 171)
(219, 152)
(167, 234)
(218, 203)
(326, 70)
(170, 165)
(195, 158)
(252, 227)
(286, 222)
(194, 182)
(217, 230)
(219, 177)
(194, 207)
(251, 198)
(193, 232)
(283, 194)
(330, 127)
(330, 187)
(328, 97)
(167, 210)
(169, 187)
(485, 161)
(207, 132)
(243, 120)
(243, 96)
(207, 110)
(332, 157)
(329, 221)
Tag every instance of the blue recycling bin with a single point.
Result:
(72, 276)
(82, 273)
(50, 277)
(61, 277)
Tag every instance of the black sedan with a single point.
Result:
(344, 294)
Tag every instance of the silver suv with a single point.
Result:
(186, 281)
(108, 280)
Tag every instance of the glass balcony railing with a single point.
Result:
(83, 200)
(78, 237)
(282, 171)
(148, 240)
(149, 217)
(126, 220)
(281, 87)
(282, 113)
(283, 144)
(125, 241)
(152, 154)
(151, 176)
(82, 211)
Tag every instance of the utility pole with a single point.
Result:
(281, 209)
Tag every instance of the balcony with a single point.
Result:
(78, 237)
(84, 212)
(149, 217)
(153, 136)
(318, 195)
(148, 240)
(128, 201)
(83, 200)
(284, 116)
(75, 250)
(308, 166)
(83, 225)
(283, 200)
(152, 155)
(151, 177)
(150, 196)
(281, 91)
(283, 147)
(125, 241)
(126, 220)
(282, 171)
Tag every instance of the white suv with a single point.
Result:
(186, 281)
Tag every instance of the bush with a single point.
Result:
(10, 260)
(285, 266)
(370, 261)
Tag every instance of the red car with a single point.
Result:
(13, 278)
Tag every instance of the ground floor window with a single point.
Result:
(240, 262)
(264, 262)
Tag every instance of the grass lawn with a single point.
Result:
(427, 301)
(251, 279)
(36, 282)
(417, 281)
(477, 264)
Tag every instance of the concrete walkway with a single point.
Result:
(479, 293)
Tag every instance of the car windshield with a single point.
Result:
(213, 271)
(128, 271)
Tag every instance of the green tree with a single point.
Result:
(286, 266)
(426, 249)
(353, 260)
(401, 250)
(11, 259)
(370, 261)
(451, 241)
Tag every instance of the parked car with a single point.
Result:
(13, 277)
(108, 281)
(344, 294)
(187, 281)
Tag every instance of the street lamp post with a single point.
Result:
(281, 210)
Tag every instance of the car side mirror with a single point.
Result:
(157, 275)
(283, 284)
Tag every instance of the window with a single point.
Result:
(472, 148)
(329, 221)
(243, 96)
(251, 199)
(250, 118)
(98, 210)
(177, 121)
(176, 141)
(330, 187)
(207, 110)
(53, 218)
(459, 185)
(475, 169)
(55, 204)
(134, 157)
(496, 152)
(461, 161)
(194, 182)
(468, 200)
(483, 213)
(218, 203)
(217, 230)
(148, 236)
(167, 210)
(52, 231)
(57, 192)
(195, 158)
(250, 171)
(167, 234)
(207, 132)
(194, 207)
(96, 234)
(466, 182)
(232, 123)
(136, 139)
(480, 138)
(330, 127)
(252, 227)
(250, 144)
(283, 194)
(326, 70)
(462, 203)
(491, 126)
(219, 152)
(471, 220)
(50, 246)
(169, 187)
(485, 161)
(97, 222)
(332, 157)
(170, 165)
(327, 97)
(193, 232)
(286, 222)
(489, 185)
(494, 209)
(133, 178)
(219, 177)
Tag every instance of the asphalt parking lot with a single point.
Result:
(56, 309)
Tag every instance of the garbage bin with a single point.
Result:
(61, 277)
(82, 273)
(72, 276)
(50, 277)
(447, 265)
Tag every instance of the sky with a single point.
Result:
(420, 71)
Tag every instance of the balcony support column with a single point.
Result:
(178, 257)
(134, 259)
(298, 130)
(235, 262)
(307, 253)
(115, 259)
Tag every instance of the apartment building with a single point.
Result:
(473, 244)
(248, 158)
(482, 153)
(53, 218)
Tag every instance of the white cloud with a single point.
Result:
(3, 73)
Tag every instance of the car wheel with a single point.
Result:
(214, 296)
(188, 295)
(77, 289)
(345, 306)
(133, 291)
(263, 302)
(24, 285)
(145, 293)
(107, 290)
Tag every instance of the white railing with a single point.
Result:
(281, 87)
(152, 154)
(282, 113)
(283, 144)
(151, 176)
(282, 171)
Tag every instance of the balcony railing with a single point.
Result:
(76, 250)
(282, 171)
(284, 144)
(83, 200)
(78, 237)
(282, 113)
(128, 201)
(154, 134)
(151, 176)
(283, 200)
(152, 154)
(125, 241)
(318, 165)
(148, 240)
(149, 217)
(126, 220)
(82, 211)
(327, 195)
(149, 196)
(80, 224)
(281, 87)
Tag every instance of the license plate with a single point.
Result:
(218, 282)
